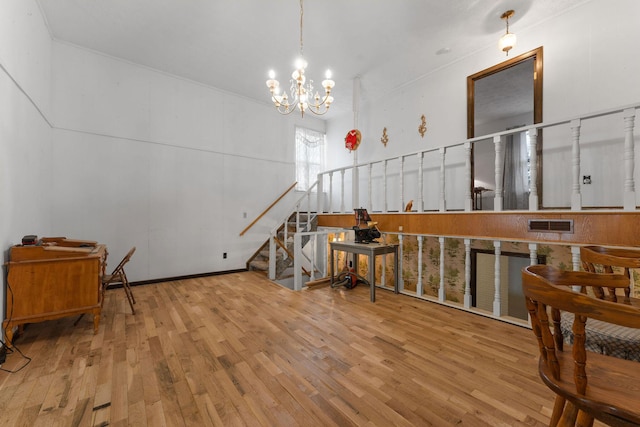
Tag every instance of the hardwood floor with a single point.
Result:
(236, 350)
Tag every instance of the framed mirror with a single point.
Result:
(505, 96)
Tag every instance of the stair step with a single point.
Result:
(259, 265)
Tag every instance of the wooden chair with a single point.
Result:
(588, 385)
(600, 259)
(119, 277)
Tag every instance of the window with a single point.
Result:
(310, 157)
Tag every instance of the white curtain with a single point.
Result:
(310, 157)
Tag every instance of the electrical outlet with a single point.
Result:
(224, 255)
(586, 179)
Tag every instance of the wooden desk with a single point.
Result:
(371, 250)
(53, 281)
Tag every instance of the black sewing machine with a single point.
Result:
(364, 234)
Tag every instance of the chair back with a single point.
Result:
(120, 268)
(604, 387)
(599, 259)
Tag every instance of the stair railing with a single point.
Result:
(302, 204)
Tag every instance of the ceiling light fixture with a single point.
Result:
(508, 40)
(302, 95)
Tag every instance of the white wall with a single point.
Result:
(167, 165)
(589, 65)
(25, 134)
(97, 148)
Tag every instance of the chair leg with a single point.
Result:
(558, 407)
(569, 415)
(584, 420)
(129, 294)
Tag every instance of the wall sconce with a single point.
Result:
(385, 137)
(508, 40)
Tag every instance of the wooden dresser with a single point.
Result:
(57, 278)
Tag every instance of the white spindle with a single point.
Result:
(384, 186)
(419, 284)
(467, 273)
(320, 194)
(442, 197)
(533, 169)
(401, 184)
(468, 195)
(441, 292)
(370, 187)
(330, 192)
(533, 253)
(576, 262)
(629, 160)
(496, 280)
(499, 171)
(421, 182)
(342, 191)
(576, 196)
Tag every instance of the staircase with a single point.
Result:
(283, 248)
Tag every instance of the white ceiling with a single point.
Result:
(232, 44)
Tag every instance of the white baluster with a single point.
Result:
(468, 196)
(320, 194)
(419, 284)
(370, 189)
(443, 201)
(441, 292)
(499, 171)
(576, 196)
(330, 192)
(497, 281)
(342, 191)
(533, 169)
(576, 263)
(467, 273)
(401, 184)
(421, 182)
(384, 185)
(629, 160)
(533, 254)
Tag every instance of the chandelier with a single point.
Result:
(301, 92)
(508, 40)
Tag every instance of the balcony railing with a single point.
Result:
(440, 179)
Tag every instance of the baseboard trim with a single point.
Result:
(190, 276)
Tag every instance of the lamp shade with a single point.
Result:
(507, 41)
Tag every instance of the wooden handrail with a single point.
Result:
(269, 208)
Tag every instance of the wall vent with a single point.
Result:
(557, 225)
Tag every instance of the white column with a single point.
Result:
(499, 172)
(443, 201)
(441, 292)
(497, 298)
(467, 273)
(384, 186)
(576, 196)
(419, 284)
(342, 191)
(401, 184)
(533, 254)
(629, 160)
(297, 262)
(421, 182)
(400, 278)
(576, 263)
(320, 194)
(370, 187)
(533, 149)
(468, 196)
(330, 209)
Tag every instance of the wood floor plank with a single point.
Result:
(238, 350)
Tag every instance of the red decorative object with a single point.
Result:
(352, 140)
